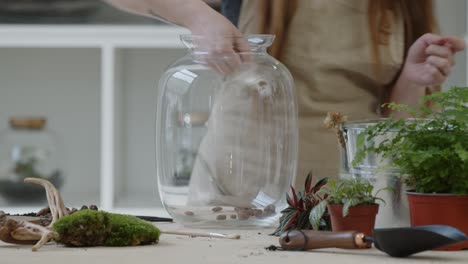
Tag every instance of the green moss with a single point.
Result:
(131, 231)
(83, 228)
(98, 228)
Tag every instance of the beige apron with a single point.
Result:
(328, 51)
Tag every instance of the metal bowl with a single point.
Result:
(395, 212)
(372, 163)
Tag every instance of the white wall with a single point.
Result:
(141, 72)
(64, 86)
(452, 16)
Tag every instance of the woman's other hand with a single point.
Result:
(431, 59)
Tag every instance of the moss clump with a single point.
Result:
(130, 231)
(97, 228)
(83, 228)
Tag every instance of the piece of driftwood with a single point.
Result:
(17, 231)
(25, 230)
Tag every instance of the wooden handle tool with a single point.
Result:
(309, 239)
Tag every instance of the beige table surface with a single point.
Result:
(181, 249)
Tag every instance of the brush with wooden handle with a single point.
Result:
(309, 239)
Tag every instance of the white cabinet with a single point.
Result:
(97, 86)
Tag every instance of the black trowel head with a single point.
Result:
(402, 242)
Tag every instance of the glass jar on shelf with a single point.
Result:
(28, 149)
(226, 144)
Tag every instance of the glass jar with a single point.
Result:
(226, 144)
(28, 149)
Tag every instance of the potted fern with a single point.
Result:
(431, 153)
(350, 203)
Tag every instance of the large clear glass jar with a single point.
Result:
(226, 144)
(28, 149)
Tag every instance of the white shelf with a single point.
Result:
(89, 36)
(110, 40)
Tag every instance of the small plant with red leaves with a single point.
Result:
(296, 215)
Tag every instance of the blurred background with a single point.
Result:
(78, 64)
(71, 11)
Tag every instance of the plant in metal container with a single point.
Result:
(350, 203)
(296, 215)
(431, 152)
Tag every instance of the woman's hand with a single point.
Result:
(429, 62)
(219, 44)
(431, 59)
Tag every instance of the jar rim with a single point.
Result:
(254, 40)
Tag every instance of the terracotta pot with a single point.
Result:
(360, 218)
(440, 209)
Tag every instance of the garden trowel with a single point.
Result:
(396, 242)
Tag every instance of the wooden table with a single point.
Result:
(181, 249)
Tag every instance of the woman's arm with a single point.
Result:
(181, 12)
(221, 40)
(428, 64)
